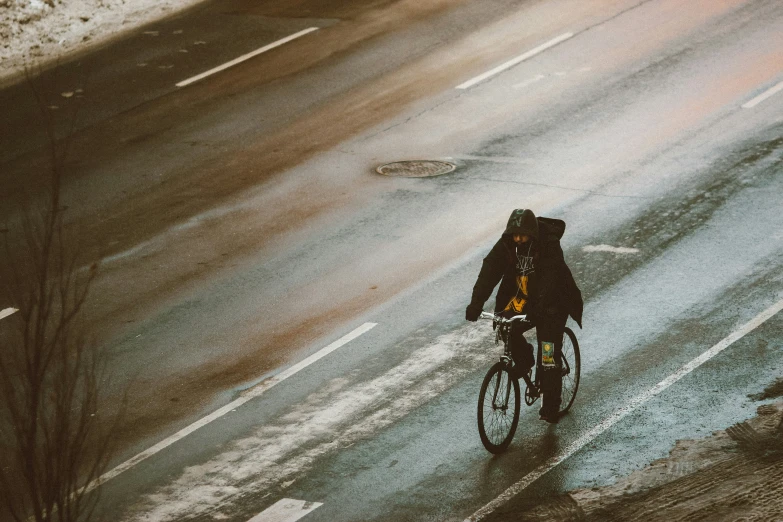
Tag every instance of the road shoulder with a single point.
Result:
(737, 472)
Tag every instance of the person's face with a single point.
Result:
(519, 239)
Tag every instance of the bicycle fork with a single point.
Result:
(504, 407)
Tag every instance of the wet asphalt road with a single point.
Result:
(632, 131)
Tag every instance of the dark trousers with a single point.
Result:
(548, 329)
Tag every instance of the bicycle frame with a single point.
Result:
(501, 334)
(498, 409)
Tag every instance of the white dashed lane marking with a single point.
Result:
(245, 57)
(521, 58)
(8, 311)
(763, 96)
(286, 510)
(609, 248)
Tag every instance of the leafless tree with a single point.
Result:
(55, 434)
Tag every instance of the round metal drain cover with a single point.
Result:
(416, 168)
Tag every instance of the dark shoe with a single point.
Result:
(551, 418)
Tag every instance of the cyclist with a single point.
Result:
(534, 279)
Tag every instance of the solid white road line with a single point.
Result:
(763, 96)
(618, 415)
(246, 57)
(522, 57)
(286, 510)
(8, 311)
(249, 394)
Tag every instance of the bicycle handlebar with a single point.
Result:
(503, 320)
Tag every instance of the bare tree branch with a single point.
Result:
(55, 436)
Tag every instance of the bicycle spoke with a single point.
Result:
(570, 373)
(498, 408)
(497, 420)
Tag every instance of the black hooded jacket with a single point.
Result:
(554, 292)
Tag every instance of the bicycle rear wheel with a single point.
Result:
(498, 408)
(571, 364)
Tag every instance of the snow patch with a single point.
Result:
(36, 32)
(331, 419)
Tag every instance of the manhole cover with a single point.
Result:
(416, 168)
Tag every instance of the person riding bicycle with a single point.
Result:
(534, 280)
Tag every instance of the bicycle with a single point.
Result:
(496, 401)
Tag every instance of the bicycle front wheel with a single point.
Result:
(571, 364)
(498, 408)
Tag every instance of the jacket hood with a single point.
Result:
(522, 221)
(550, 228)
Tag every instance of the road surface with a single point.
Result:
(241, 229)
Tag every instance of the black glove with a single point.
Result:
(472, 312)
